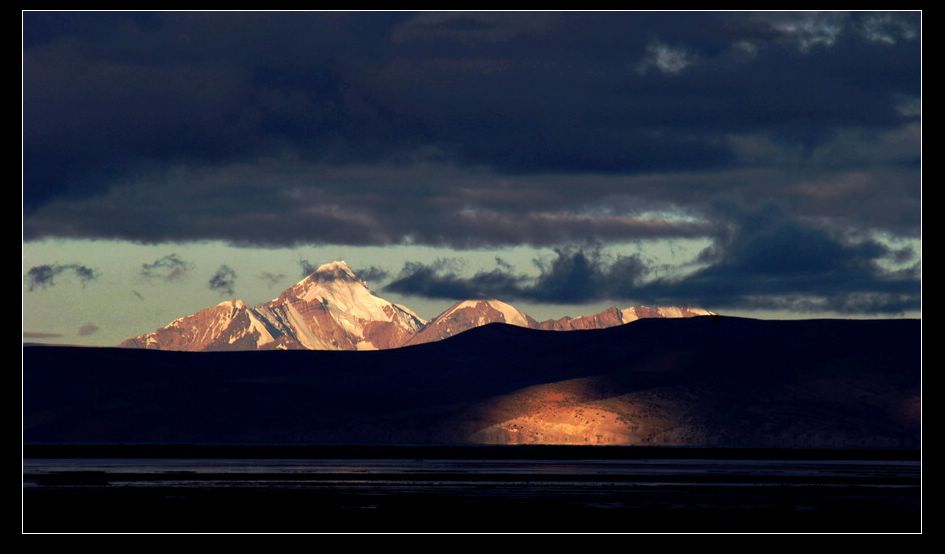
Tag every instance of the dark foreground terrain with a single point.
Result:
(818, 423)
(470, 489)
(703, 381)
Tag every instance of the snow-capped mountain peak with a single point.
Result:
(468, 314)
(336, 287)
(614, 316)
(507, 313)
(333, 309)
(330, 309)
(229, 325)
(633, 313)
(337, 269)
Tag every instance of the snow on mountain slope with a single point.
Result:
(230, 325)
(634, 313)
(331, 309)
(615, 316)
(468, 314)
(607, 318)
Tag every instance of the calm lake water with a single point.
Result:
(872, 473)
(471, 495)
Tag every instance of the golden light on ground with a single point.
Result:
(577, 412)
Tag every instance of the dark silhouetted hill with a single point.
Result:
(716, 381)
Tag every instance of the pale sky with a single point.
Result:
(110, 304)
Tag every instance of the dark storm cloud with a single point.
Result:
(307, 268)
(807, 30)
(462, 129)
(888, 28)
(573, 276)
(44, 276)
(223, 280)
(271, 279)
(667, 59)
(902, 255)
(767, 260)
(168, 268)
(440, 280)
(372, 273)
(771, 260)
(438, 205)
(87, 329)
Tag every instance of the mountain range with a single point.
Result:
(333, 309)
